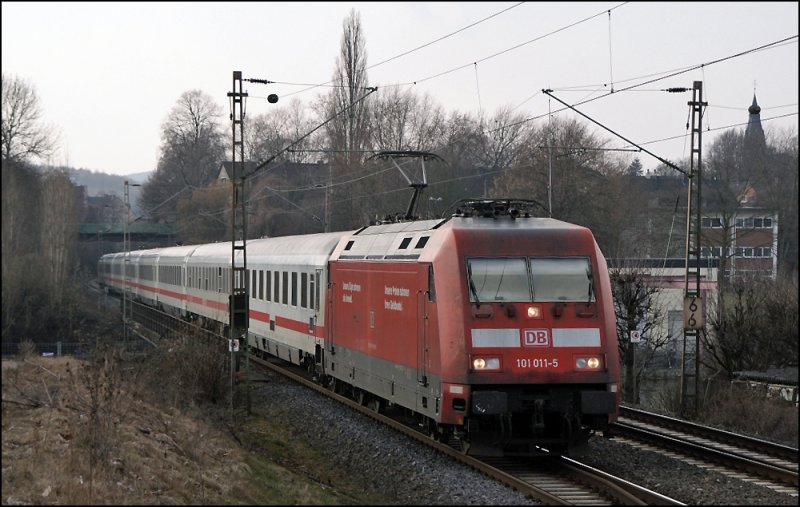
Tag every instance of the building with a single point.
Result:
(745, 236)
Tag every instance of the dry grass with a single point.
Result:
(750, 411)
(737, 409)
(92, 432)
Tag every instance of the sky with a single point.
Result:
(108, 73)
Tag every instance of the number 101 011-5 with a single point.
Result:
(537, 363)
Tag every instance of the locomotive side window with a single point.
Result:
(498, 279)
(562, 279)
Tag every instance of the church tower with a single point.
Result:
(754, 129)
(755, 143)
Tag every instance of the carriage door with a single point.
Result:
(423, 297)
(314, 290)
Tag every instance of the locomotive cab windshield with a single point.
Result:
(535, 279)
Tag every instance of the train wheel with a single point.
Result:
(359, 396)
(375, 404)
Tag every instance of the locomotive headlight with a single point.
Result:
(534, 312)
(488, 363)
(588, 363)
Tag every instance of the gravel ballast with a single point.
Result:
(414, 474)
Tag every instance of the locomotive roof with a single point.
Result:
(406, 240)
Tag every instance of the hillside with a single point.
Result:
(98, 183)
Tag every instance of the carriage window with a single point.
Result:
(562, 279)
(294, 288)
(312, 294)
(303, 289)
(285, 285)
(498, 279)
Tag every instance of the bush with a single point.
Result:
(723, 408)
(189, 371)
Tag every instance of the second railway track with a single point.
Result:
(771, 465)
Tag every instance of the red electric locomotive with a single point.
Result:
(491, 326)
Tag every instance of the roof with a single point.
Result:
(773, 375)
(133, 228)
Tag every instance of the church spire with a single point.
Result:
(754, 129)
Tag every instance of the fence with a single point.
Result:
(57, 349)
(53, 349)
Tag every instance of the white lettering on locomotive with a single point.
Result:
(393, 305)
(535, 338)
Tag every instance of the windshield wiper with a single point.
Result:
(591, 283)
(472, 284)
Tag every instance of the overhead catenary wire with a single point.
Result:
(439, 39)
(663, 160)
(672, 74)
(264, 163)
(512, 48)
(472, 176)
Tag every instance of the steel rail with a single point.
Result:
(726, 459)
(772, 449)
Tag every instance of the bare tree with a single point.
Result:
(506, 135)
(204, 216)
(756, 328)
(348, 133)
(402, 120)
(464, 175)
(59, 214)
(269, 133)
(775, 179)
(192, 149)
(637, 309)
(24, 136)
(21, 189)
(580, 190)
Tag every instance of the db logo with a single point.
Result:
(535, 338)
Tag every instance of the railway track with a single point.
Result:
(551, 480)
(765, 463)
